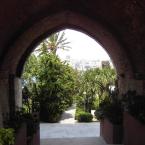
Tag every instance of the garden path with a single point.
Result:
(69, 132)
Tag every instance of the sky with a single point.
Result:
(82, 47)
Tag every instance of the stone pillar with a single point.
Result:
(10, 94)
(18, 92)
(15, 92)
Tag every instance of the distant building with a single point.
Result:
(87, 64)
(106, 63)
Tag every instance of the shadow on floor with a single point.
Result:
(66, 116)
(74, 141)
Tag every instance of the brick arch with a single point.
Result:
(24, 45)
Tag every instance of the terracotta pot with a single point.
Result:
(111, 133)
(134, 131)
(21, 136)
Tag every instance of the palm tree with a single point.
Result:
(54, 42)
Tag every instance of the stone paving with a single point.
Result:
(69, 132)
(74, 141)
(57, 130)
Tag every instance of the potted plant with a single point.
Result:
(110, 114)
(134, 118)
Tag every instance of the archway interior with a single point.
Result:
(91, 60)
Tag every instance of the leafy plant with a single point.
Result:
(101, 109)
(14, 120)
(53, 88)
(7, 136)
(19, 117)
(135, 105)
(84, 117)
(110, 108)
(79, 109)
(53, 43)
(94, 86)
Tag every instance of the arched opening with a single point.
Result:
(13, 63)
(86, 58)
(31, 37)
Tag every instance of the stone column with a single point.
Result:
(15, 92)
(10, 93)
(18, 92)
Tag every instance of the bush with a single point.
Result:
(7, 136)
(78, 111)
(110, 108)
(16, 119)
(102, 109)
(84, 117)
(135, 105)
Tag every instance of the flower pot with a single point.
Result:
(21, 135)
(134, 131)
(111, 133)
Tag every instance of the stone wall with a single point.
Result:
(4, 95)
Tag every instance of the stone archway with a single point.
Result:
(29, 39)
(14, 60)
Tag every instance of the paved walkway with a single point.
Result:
(68, 116)
(57, 130)
(69, 132)
(74, 141)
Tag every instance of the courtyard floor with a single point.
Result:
(69, 132)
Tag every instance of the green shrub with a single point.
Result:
(84, 117)
(110, 108)
(134, 104)
(7, 136)
(78, 111)
(101, 110)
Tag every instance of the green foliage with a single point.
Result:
(14, 120)
(84, 117)
(94, 86)
(19, 117)
(101, 109)
(30, 71)
(135, 105)
(52, 87)
(53, 43)
(55, 85)
(78, 111)
(7, 136)
(111, 108)
(48, 83)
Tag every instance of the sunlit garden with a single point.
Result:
(51, 85)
